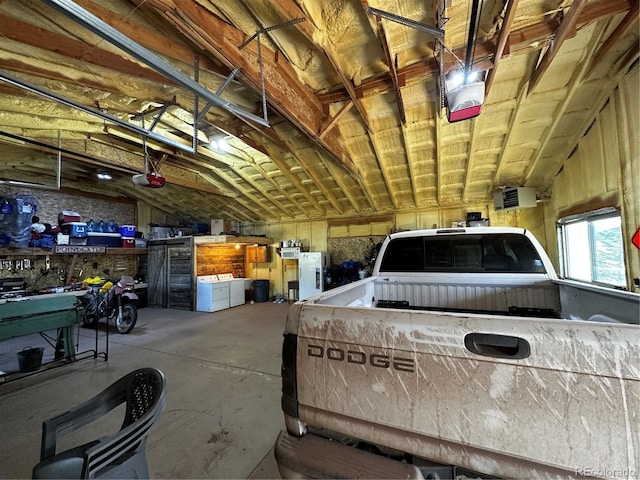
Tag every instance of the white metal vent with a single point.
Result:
(511, 198)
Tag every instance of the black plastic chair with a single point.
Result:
(122, 455)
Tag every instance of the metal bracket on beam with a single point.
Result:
(107, 32)
(245, 43)
(436, 32)
(161, 111)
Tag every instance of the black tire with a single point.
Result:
(129, 318)
(89, 317)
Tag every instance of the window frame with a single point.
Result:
(563, 244)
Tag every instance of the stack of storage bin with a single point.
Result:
(71, 225)
(127, 236)
(77, 232)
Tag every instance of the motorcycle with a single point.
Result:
(113, 301)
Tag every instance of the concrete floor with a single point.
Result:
(223, 391)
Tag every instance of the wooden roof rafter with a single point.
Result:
(567, 29)
(629, 21)
(519, 41)
(295, 102)
(276, 158)
(229, 204)
(333, 121)
(473, 147)
(410, 163)
(338, 176)
(513, 121)
(269, 178)
(289, 10)
(572, 88)
(390, 62)
(309, 170)
(385, 175)
(501, 42)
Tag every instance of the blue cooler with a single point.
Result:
(106, 239)
(74, 229)
(128, 231)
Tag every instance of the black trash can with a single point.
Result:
(261, 290)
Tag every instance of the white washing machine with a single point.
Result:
(212, 294)
(236, 288)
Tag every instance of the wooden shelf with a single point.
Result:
(247, 240)
(126, 251)
(24, 252)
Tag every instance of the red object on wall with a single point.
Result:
(636, 238)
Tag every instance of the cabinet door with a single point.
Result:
(257, 254)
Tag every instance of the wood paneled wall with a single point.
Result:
(225, 258)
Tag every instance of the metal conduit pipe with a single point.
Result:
(18, 183)
(90, 110)
(107, 32)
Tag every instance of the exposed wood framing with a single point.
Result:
(289, 10)
(567, 29)
(276, 157)
(383, 169)
(628, 22)
(338, 176)
(471, 158)
(410, 163)
(519, 41)
(501, 43)
(335, 119)
(514, 120)
(439, 161)
(390, 63)
(38, 37)
(576, 80)
(310, 171)
(292, 99)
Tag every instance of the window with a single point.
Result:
(506, 253)
(591, 248)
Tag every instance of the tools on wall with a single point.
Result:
(16, 265)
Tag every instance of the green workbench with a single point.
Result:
(29, 315)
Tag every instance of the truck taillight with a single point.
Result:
(289, 384)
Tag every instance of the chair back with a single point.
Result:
(144, 391)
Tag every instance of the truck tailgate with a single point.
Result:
(499, 395)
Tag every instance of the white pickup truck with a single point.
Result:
(462, 356)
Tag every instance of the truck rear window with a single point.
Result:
(503, 252)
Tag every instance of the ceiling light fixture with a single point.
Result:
(456, 78)
(104, 176)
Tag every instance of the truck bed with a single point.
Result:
(520, 295)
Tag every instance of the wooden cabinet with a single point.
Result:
(171, 275)
(257, 254)
(175, 263)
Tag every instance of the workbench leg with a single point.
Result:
(61, 350)
(69, 347)
(64, 344)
